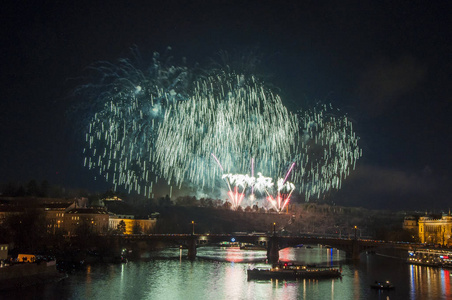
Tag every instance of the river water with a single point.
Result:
(220, 273)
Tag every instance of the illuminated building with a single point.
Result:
(134, 220)
(410, 223)
(52, 209)
(113, 198)
(436, 231)
(133, 225)
(54, 215)
(68, 215)
(3, 251)
(94, 219)
(7, 211)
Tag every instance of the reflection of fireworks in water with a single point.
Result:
(163, 123)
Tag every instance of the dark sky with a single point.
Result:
(387, 63)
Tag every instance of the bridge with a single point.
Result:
(352, 247)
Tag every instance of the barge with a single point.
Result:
(293, 272)
(430, 258)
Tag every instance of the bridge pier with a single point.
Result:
(273, 250)
(191, 244)
(354, 253)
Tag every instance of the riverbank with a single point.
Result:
(23, 275)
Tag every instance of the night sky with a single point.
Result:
(386, 63)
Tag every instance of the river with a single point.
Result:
(220, 273)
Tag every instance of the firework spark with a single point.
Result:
(284, 191)
(237, 181)
(234, 117)
(166, 123)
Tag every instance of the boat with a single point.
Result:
(252, 247)
(378, 285)
(293, 272)
(430, 258)
(229, 244)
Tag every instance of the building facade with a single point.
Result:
(410, 223)
(132, 225)
(436, 231)
(3, 251)
(72, 216)
(92, 219)
(54, 216)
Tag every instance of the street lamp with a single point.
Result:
(193, 224)
(340, 231)
(356, 227)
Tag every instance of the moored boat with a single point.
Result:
(252, 247)
(430, 258)
(293, 272)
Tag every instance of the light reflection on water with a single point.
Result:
(315, 255)
(428, 281)
(231, 254)
(220, 273)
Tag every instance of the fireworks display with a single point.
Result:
(127, 106)
(326, 151)
(212, 131)
(234, 117)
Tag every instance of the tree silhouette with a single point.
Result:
(136, 229)
(26, 229)
(44, 190)
(33, 188)
(121, 227)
